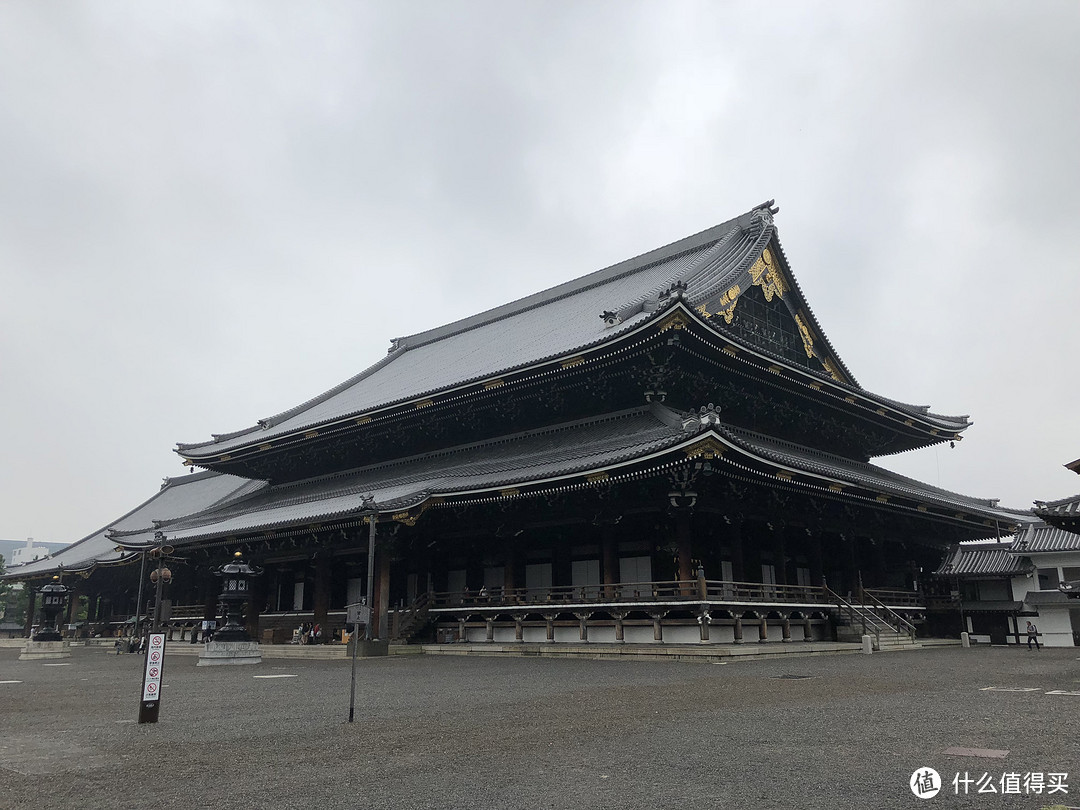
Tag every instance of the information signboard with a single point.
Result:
(151, 686)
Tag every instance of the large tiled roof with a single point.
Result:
(545, 457)
(183, 495)
(558, 322)
(535, 456)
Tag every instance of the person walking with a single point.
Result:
(1033, 635)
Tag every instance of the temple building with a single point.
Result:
(668, 449)
(1033, 575)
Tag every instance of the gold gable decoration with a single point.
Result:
(725, 305)
(806, 335)
(767, 275)
(707, 448)
(830, 367)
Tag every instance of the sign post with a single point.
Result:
(151, 686)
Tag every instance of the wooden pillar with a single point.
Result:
(854, 573)
(785, 629)
(878, 563)
(210, 599)
(256, 602)
(657, 627)
(780, 549)
(463, 634)
(703, 620)
(583, 625)
(519, 627)
(320, 598)
(73, 604)
(737, 630)
(763, 630)
(509, 566)
(383, 593)
(735, 541)
(807, 629)
(490, 629)
(618, 616)
(609, 561)
(814, 555)
(549, 619)
(683, 539)
(31, 602)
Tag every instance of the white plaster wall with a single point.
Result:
(1054, 624)
(643, 634)
(1021, 585)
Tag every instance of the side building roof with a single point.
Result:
(1063, 514)
(979, 560)
(179, 496)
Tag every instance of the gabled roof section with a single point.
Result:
(540, 327)
(1040, 537)
(982, 560)
(179, 496)
(1064, 513)
(727, 274)
(630, 443)
(492, 466)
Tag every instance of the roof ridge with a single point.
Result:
(574, 286)
(635, 264)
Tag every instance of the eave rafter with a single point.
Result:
(722, 456)
(823, 389)
(676, 317)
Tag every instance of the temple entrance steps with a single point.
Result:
(407, 623)
(871, 617)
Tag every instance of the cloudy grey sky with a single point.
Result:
(210, 212)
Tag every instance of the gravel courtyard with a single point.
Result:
(473, 732)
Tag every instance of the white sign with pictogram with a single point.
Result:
(154, 657)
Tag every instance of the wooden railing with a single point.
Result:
(895, 596)
(857, 615)
(692, 590)
(898, 622)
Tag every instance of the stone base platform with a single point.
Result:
(224, 653)
(40, 650)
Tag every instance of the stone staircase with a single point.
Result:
(854, 621)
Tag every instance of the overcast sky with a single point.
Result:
(210, 212)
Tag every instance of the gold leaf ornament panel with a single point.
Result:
(766, 274)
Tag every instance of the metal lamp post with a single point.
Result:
(372, 515)
(159, 577)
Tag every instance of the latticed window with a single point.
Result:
(768, 324)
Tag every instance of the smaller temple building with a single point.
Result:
(1031, 576)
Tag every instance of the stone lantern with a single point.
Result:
(236, 579)
(232, 644)
(54, 598)
(47, 642)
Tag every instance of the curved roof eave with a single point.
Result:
(831, 475)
